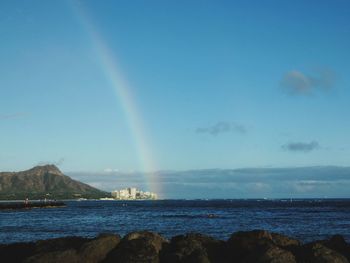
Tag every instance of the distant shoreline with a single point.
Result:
(190, 199)
(30, 204)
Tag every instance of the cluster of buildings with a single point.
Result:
(131, 193)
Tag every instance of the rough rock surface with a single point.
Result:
(256, 246)
(242, 245)
(16, 252)
(59, 244)
(318, 253)
(73, 249)
(272, 254)
(194, 247)
(337, 243)
(96, 250)
(136, 247)
(284, 241)
(66, 256)
(155, 239)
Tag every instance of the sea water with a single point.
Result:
(306, 220)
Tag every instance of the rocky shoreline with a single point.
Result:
(251, 246)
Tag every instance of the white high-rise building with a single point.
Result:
(124, 194)
(131, 193)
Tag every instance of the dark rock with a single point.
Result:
(318, 253)
(73, 249)
(137, 247)
(155, 239)
(97, 249)
(136, 250)
(256, 246)
(194, 247)
(242, 244)
(59, 244)
(337, 243)
(66, 256)
(261, 246)
(62, 249)
(14, 253)
(272, 254)
(284, 241)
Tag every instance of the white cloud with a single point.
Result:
(13, 116)
(111, 170)
(299, 83)
(222, 127)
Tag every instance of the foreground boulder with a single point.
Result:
(138, 247)
(271, 254)
(256, 246)
(245, 241)
(337, 243)
(16, 252)
(318, 253)
(194, 247)
(284, 241)
(66, 256)
(261, 246)
(74, 249)
(242, 245)
(96, 250)
(59, 244)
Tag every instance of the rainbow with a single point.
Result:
(110, 66)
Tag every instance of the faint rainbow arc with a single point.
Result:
(123, 92)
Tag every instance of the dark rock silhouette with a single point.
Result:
(16, 252)
(284, 241)
(194, 247)
(59, 244)
(140, 246)
(317, 252)
(256, 246)
(66, 256)
(274, 254)
(97, 249)
(337, 243)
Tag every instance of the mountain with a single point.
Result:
(44, 182)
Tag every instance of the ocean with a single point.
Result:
(306, 220)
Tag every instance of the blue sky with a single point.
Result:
(217, 84)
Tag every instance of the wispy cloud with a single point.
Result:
(57, 162)
(110, 170)
(305, 186)
(301, 146)
(16, 115)
(298, 83)
(222, 127)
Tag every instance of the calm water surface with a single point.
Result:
(304, 219)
